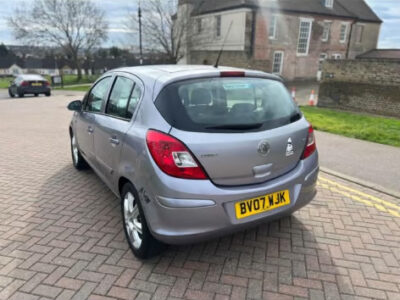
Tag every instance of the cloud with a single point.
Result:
(116, 11)
(389, 12)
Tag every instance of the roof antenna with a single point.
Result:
(223, 45)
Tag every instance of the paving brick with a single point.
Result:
(370, 293)
(69, 283)
(234, 280)
(47, 291)
(293, 290)
(198, 295)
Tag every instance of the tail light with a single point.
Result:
(24, 83)
(311, 145)
(233, 74)
(173, 157)
(46, 83)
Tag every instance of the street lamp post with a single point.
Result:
(140, 33)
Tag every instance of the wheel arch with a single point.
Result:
(121, 182)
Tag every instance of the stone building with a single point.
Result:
(287, 37)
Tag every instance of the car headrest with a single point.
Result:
(243, 108)
(219, 95)
(201, 96)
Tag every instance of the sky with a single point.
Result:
(117, 10)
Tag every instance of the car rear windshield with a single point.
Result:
(227, 104)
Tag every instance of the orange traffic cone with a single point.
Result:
(294, 94)
(311, 102)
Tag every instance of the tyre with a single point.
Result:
(21, 95)
(11, 93)
(78, 161)
(36, 95)
(48, 94)
(140, 240)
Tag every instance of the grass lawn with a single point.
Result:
(5, 82)
(81, 88)
(73, 79)
(364, 127)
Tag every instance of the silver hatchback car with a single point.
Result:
(194, 152)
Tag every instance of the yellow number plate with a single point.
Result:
(261, 204)
(36, 84)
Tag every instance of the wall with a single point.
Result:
(369, 40)
(237, 59)
(371, 86)
(297, 66)
(207, 39)
(250, 35)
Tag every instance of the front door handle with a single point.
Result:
(90, 130)
(114, 141)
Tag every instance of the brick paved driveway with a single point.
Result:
(61, 234)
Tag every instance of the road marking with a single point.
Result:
(382, 205)
(376, 199)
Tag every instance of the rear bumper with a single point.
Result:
(183, 212)
(33, 90)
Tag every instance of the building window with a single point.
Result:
(343, 32)
(277, 62)
(329, 3)
(304, 37)
(326, 32)
(272, 27)
(218, 25)
(359, 33)
(336, 56)
(199, 25)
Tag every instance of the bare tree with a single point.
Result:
(162, 31)
(75, 26)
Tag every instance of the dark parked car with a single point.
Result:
(29, 84)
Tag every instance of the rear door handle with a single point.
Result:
(114, 141)
(90, 130)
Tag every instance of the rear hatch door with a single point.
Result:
(242, 130)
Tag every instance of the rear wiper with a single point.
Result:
(295, 117)
(237, 126)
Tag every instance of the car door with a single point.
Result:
(113, 125)
(85, 120)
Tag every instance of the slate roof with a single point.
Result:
(352, 9)
(381, 54)
(7, 61)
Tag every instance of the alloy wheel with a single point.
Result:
(133, 222)
(75, 151)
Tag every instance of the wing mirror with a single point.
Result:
(75, 105)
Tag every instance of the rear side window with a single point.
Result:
(134, 101)
(227, 104)
(119, 98)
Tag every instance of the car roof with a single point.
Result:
(159, 71)
(31, 77)
(156, 77)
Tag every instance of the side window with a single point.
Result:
(134, 101)
(97, 95)
(119, 99)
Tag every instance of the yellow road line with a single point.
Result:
(373, 198)
(358, 199)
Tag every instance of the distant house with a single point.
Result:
(10, 66)
(290, 38)
(389, 54)
(45, 66)
(67, 70)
